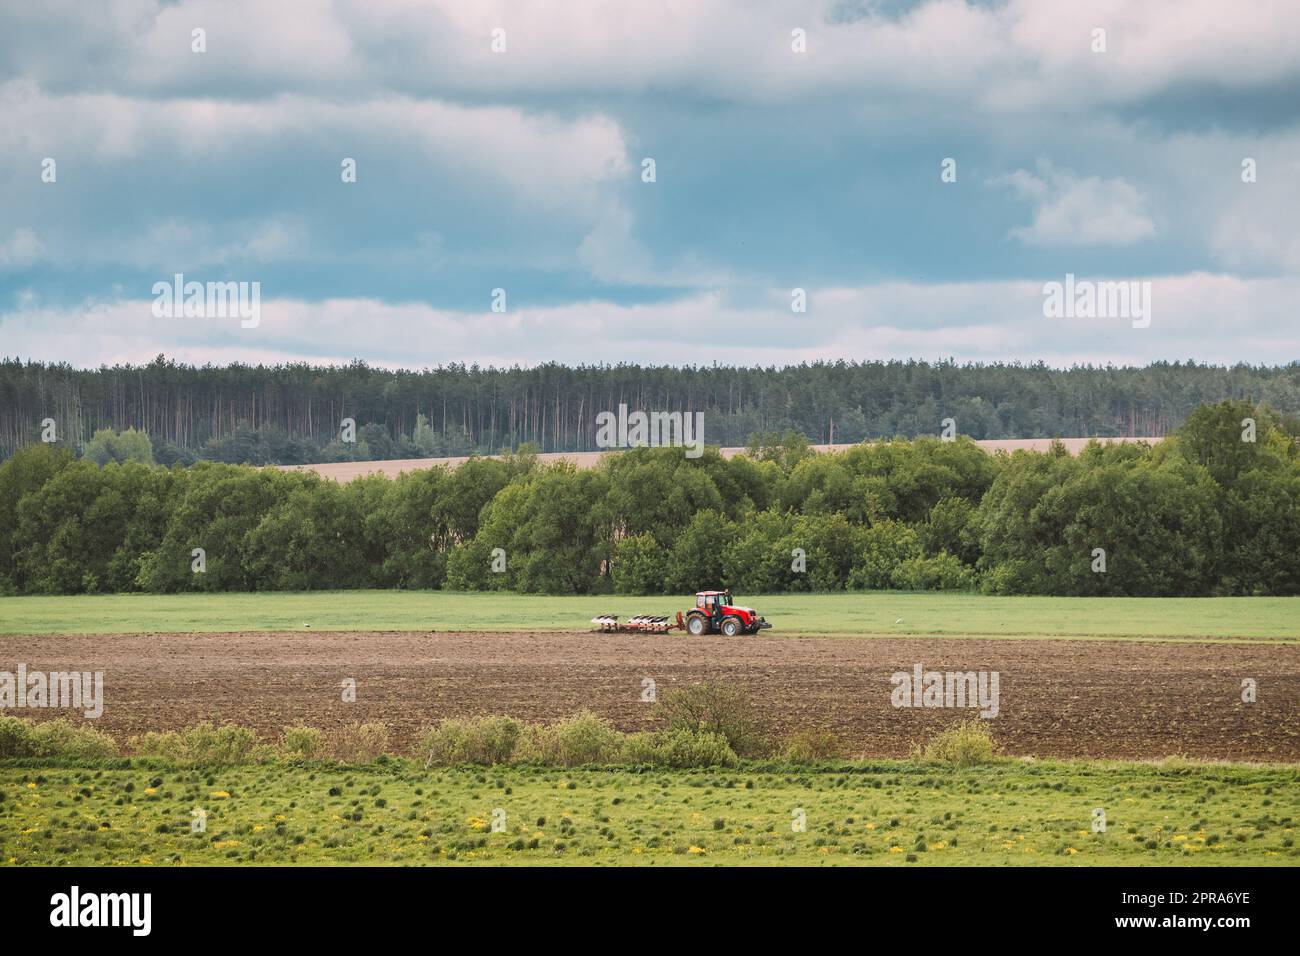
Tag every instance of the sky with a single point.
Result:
(798, 145)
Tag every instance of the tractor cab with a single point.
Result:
(713, 603)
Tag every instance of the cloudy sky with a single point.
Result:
(775, 169)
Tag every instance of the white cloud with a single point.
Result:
(1257, 229)
(22, 248)
(552, 162)
(1006, 56)
(1075, 211)
(975, 321)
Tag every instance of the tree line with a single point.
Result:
(293, 414)
(1215, 509)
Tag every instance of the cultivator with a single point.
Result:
(638, 622)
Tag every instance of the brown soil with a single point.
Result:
(1058, 697)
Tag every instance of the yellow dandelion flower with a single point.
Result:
(220, 794)
(695, 850)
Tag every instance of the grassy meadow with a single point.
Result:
(890, 813)
(876, 613)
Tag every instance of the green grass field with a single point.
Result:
(889, 814)
(849, 614)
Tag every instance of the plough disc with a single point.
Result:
(638, 622)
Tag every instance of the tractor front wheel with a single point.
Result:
(696, 625)
(730, 626)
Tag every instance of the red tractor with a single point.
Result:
(713, 614)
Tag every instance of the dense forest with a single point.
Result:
(1215, 509)
(291, 414)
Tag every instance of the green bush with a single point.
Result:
(583, 738)
(810, 746)
(640, 565)
(964, 744)
(15, 738)
(720, 709)
(361, 743)
(887, 545)
(203, 744)
(62, 738)
(683, 748)
(586, 738)
(641, 747)
(302, 743)
(677, 748)
(480, 740)
(942, 572)
(218, 746)
(165, 744)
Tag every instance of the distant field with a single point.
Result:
(889, 813)
(347, 470)
(850, 615)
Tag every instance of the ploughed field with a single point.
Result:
(1056, 698)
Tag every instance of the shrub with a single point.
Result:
(886, 545)
(682, 748)
(62, 738)
(583, 738)
(481, 740)
(203, 744)
(719, 709)
(943, 572)
(964, 744)
(15, 738)
(165, 744)
(218, 746)
(810, 746)
(361, 743)
(639, 565)
(586, 738)
(302, 743)
(641, 747)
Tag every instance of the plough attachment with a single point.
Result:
(638, 622)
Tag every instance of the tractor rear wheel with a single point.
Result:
(696, 625)
(730, 626)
